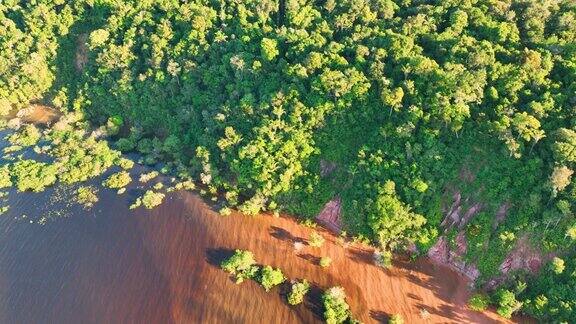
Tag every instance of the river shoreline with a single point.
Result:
(109, 263)
(67, 264)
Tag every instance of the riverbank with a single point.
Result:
(113, 264)
(110, 264)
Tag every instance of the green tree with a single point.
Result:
(298, 291)
(270, 277)
(241, 265)
(269, 49)
(507, 303)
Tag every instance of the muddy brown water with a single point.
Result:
(110, 264)
(113, 265)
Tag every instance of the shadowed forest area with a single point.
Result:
(445, 128)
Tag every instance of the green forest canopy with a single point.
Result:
(401, 96)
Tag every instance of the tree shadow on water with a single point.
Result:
(284, 235)
(313, 301)
(362, 256)
(415, 297)
(380, 316)
(215, 257)
(311, 258)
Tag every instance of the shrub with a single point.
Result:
(316, 240)
(271, 277)
(479, 302)
(396, 319)
(383, 258)
(118, 180)
(125, 144)
(336, 310)
(298, 291)
(325, 262)
(80, 157)
(242, 265)
(507, 303)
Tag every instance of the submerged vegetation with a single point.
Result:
(118, 180)
(87, 196)
(408, 101)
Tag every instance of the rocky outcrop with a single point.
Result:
(330, 216)
(442, 253)
(524, 256)
(457, 217)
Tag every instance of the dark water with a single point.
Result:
(61, 263)
(113, 265)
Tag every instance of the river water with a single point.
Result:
(61, 263)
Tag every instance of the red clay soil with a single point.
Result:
(110, 265)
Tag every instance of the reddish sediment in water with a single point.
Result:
(112, 265)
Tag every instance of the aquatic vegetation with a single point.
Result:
(5, 179)
(118, 180)
(185, 185)
(29, 135)
(124, 163)
(149, 200)
(87, 196)
(225, 211)
(33, 175)
(270, 277)
(241, 265)
(145, 177)
(297, 292)
(310, 223)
